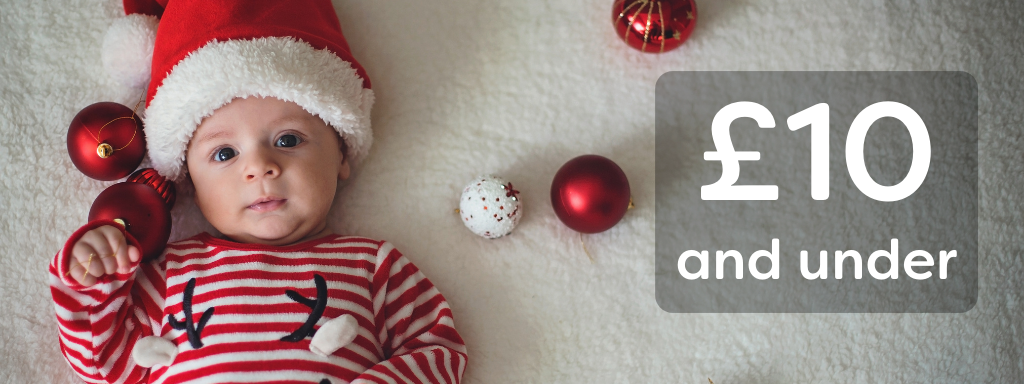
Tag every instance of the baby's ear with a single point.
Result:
(345, 170)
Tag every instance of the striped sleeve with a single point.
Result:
(414, 326)
(98, 325)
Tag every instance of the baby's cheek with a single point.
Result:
(326, 188)
(214, 201)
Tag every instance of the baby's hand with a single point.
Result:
(101, 251)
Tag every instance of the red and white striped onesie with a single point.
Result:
(256, 331)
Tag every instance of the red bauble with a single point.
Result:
(105, 141)
(143, 211)
(150, 177)
(590, 193)
(654, 25)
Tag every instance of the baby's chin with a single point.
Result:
(272, 232)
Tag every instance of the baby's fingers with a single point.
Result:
(134, 254)
(119, 256)
(126, 256)
(86, 267)
(114, 253)
(105, 254)
(80, 274)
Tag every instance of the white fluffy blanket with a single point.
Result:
(516, 88)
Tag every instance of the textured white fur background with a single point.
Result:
(517, 88)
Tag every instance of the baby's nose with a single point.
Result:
(271, 172)
(262, 167)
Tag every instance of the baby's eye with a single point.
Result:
(288, 141)
(224, 154)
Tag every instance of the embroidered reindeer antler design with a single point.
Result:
(193, 331)
(317, 306)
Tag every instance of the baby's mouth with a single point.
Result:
(267, 205)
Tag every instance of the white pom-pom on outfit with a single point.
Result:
(128, 49)
(334, 335)
(154, 350)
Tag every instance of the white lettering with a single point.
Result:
(822, 266)
(894, 265)
(909, 264)
(841, 256)
(702, 256)
(720, 263)
(943, 259)
(773, 256)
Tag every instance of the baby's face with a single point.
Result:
(265, 171)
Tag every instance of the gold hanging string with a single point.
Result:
(88, 263)
(132, 117)
(585, 249)
(631, 206)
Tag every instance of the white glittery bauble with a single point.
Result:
(490, 207)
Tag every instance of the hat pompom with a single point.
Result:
(128, 49)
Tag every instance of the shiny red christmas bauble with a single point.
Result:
(654, 25)
(152, 178)
(141, 209)
(590, 193)
(105, 141)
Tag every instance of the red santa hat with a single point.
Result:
(208, 52)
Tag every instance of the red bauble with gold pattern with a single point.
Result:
(105, 141)
(654, 25)
(590, 193)
(142, 210)
(150, 177)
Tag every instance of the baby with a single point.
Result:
(278, 297)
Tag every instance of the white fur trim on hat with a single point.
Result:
(280, 67)
(127, 52)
